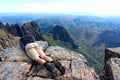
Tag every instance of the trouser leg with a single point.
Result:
(42, 54)
(33, 54)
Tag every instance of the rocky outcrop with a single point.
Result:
(1, 25)
(7, 40)
(111, 64)
(15, 65)
(18, 31)
(60, 33)
(33, 28)
(13, 29)
(75, 64)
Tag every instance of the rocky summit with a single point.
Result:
(16, 65)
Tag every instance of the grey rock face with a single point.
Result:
(111, 64)
(74, 63)
(115, 67)
(14, 64)
(112, 53)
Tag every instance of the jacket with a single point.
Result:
(26, 39)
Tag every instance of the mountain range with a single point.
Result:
(91, 34)
(13, 60)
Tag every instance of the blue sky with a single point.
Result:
(94, 7)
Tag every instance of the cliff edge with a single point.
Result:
(111, 64)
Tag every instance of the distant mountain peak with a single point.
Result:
(60, 33)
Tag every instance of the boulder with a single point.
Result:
(74, 63)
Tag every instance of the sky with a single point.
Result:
(93, 7)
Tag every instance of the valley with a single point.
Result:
(92, 34)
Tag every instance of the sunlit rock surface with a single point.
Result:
(16, 65)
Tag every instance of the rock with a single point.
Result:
(60, 33)
(115, 67)
(74, 63)
(111, 64)
(16, 65)
(33, 28)
(43, 45)
(18, 31)
(1, 25)
(7, 40)
(1, 48)
(112, 53)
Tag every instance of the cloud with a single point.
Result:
(103, 7)
(45, 7)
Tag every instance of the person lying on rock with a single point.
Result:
(34, 51)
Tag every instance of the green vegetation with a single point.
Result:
(87, 51)
(93, 34)
(54, 42)
(86, 37)
(51, 41)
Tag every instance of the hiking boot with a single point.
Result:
(53, 73)
(51, 68)
(60, 67)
